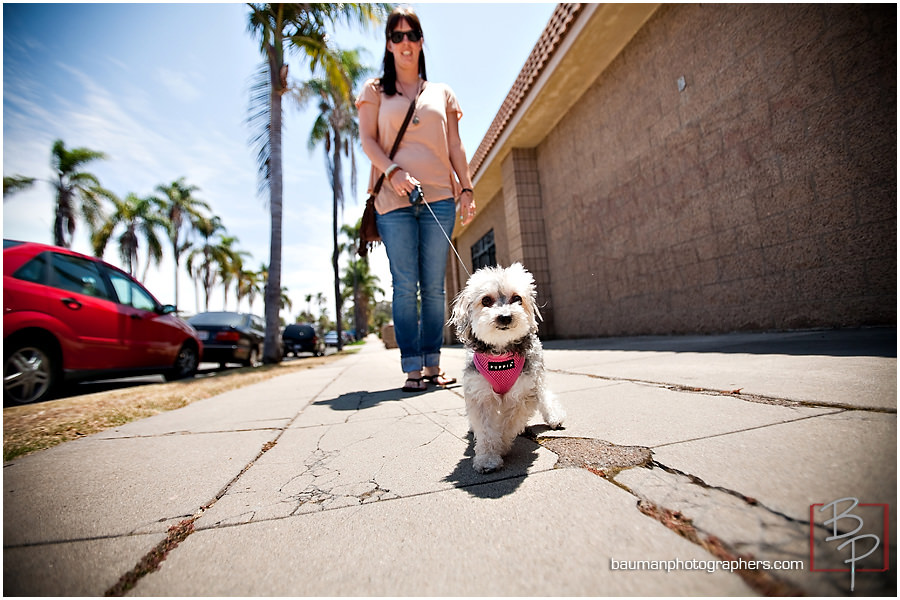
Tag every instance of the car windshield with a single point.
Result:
(222, 319)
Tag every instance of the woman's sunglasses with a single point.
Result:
(411, 35)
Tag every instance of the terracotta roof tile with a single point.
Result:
(543, 50)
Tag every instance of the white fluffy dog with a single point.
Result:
(496, 317)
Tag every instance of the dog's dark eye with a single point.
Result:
(516, 298)
(487, 301)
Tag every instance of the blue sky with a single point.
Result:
(163, 89)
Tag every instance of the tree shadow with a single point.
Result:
(491, 486)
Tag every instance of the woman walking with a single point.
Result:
(429, 166)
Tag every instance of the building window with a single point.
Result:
(484, 252)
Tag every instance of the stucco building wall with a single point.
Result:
(733, 168)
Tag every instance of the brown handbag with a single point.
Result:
(368, 228)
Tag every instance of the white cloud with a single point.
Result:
(179, 84)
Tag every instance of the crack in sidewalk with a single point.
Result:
(184, 432)
(178, 533)
(758, 579)
(609, 461)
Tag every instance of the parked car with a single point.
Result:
(230, 337)
(331, 338)
(302, 337)
(68, 316)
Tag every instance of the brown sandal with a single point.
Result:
(440, 379)
(414, 384)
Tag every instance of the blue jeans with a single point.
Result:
(417, 251)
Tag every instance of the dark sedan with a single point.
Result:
(230, 337)
(301, 337)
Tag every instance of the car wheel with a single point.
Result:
(185, 363)
(254, 358)
(29, 373)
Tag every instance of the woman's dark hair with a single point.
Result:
(389, 78)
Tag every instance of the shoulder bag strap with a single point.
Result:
(409, 114)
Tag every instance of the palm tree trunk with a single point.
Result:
(146, 265)
(337, 188)
(359, 312)
(177, 265)
(62, 199)
(271, 347)
(207, 280)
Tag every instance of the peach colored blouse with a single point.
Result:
(423, 151)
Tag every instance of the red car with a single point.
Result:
(68, 316)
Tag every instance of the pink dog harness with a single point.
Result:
(501, 370)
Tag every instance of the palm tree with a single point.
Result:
(362, 284)
(15, 184)
(337, 129)
(181, 209)
(139, 218)
(231, 263)
(249, 285)
(277, 27)
(285, 300)
(202, 261)
(73, 184)
(351, 232)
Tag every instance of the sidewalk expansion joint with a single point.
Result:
(760, 580)
(741, 530)
(746, 429)
(736, 393)
(152, 561)
(608, 460)
(742, 497)
(177, 433)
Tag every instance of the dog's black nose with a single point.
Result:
(504, 319)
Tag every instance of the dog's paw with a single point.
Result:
(555, 421)
(554, 416)
(487, 463)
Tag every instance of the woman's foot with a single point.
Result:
(436, 377)
(415, 384)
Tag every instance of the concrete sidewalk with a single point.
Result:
(677, 452)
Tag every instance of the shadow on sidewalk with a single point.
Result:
(491, 486)
(362, 399)
(874, 341)
(488, 486)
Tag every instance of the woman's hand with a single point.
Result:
(467, 206)
(402, 182)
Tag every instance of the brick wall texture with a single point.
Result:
(761, 196)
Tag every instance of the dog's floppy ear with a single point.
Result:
(524, 275)
(460, 318)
